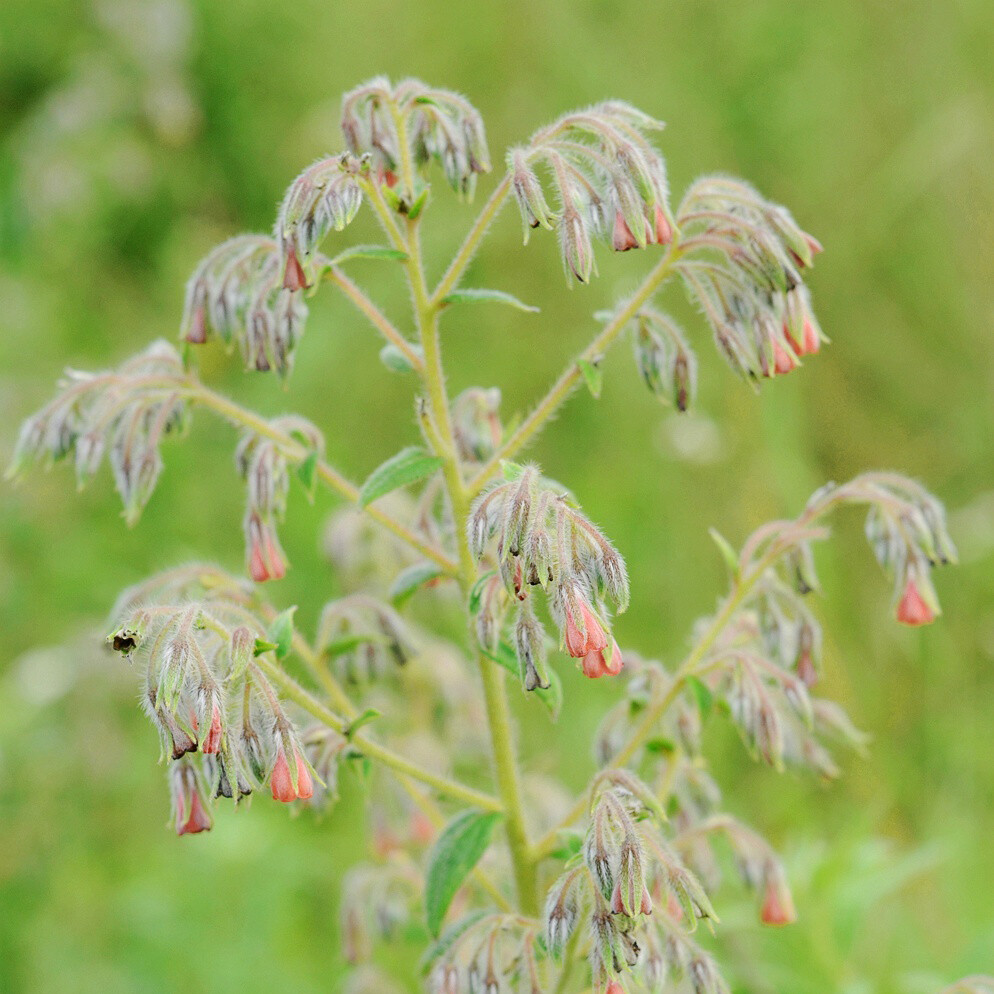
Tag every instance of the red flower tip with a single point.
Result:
(595, 663)
(778, 905)
(614, 987)
(281, 782)
(294, 277)
(622, 239)
(913, 609)
(212, 741)
(661, 232)
(198, 820)
(266, 558)
(593, 638)
(784, 362)
(196, 334)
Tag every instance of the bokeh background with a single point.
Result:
(134, 135)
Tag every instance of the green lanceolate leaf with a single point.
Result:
(476, 295)
(408, 581)
(280, 633)
(369, 252)
(457, 850)
(593, 376)
(408, 466)
(702, 695)
(395, 360)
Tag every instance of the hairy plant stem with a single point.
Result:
(239, 415)
(572, 375)
(467, 250)
(376, 317)
(426, 311)
(307, 701)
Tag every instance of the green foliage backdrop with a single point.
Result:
(137, 133)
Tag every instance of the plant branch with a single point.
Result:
(475, 235)
(328, 474)
(400, 764)
(495, 697)
(376, 317)
(742, 588)
(571, 376)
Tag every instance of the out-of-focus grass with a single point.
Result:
(135, 135)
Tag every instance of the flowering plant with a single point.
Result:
(619, 878)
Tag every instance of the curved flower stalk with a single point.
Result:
(508, 547)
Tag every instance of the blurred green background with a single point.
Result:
(134, 135)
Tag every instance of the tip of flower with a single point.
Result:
(913, 609)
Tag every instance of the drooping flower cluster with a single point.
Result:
(237, 293)
(364, 637)
(326, 196)
(745, 273)
(264, 466)
(544, 540)
(666, 362)
(609, 182)
(640, 899)
(411, 120)
(124, 414)
(196, 634)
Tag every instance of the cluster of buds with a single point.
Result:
(543, 540)
(264, 466)
(625, 870)
(906, 529)
(125, 414)
(608, 178)
(206, 695)
(749, 286)
(666, 362)
(364, 637)
(487, 954)
(237, 293)
(413, 122)
(326, 196)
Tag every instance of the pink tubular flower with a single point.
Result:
(196, 334)
(281, 781)
(913, 608)
(212, 740)
(294, 277)
(192, 814)
(810, 339)
(596, 664)
(784, 362)
(614, 987)
(266, 558)
(622, 239)
(778, 905)
(660, 230)
(592, 638)
(198, 818)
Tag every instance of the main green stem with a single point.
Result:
(427, 311)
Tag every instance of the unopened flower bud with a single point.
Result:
(289, 783)
(917, 605)
(192, 814)
(778, 904)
